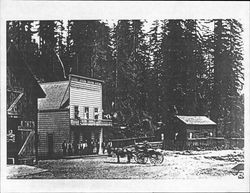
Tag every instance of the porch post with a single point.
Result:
(36, 136)
(92, 134)
(100, 141)
(81, 136)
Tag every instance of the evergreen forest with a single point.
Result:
(150, 72)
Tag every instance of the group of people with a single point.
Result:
(84, 147)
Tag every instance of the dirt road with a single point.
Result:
(176, 165)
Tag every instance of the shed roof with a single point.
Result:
(56, 95)
(196, 120)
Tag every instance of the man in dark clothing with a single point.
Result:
(97, 146)
(81, 148)
(103, 146)
(92, 145)
(64, 147)
(109, 145)
(69, 148)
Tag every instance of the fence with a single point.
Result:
(206, 143)
(213, 143)
(236, 142)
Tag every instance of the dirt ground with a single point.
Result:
(176, 165)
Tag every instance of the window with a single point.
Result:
(76, 111)
(96, 114)
(86, 111)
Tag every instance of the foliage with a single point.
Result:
(185, 67)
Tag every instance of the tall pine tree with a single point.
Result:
(227, 74)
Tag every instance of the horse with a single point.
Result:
(122, 152)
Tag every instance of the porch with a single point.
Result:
(87, 139)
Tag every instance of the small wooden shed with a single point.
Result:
(193, 128)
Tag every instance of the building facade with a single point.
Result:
(71, 114)
(22, 93)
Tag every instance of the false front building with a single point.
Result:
(71, 114)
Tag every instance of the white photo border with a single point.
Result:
(84, 10)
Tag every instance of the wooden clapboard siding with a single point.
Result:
(84, 94)
(56, 123)
(86, 86)
(199, 131)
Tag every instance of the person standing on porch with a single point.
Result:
(85, 146)
(64, 147)
(97, 146)
(94, 146)
(103, 146)
(81, 147)
(69, 148)
(109, 145)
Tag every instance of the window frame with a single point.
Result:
(76, 112)
(95, 113)
(86, 113)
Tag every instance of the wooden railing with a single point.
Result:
(90, 122)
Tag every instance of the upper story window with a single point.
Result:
(76, 111)
(86, 112)
(96, 113)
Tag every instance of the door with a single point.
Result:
(76, 136)
(50, 144)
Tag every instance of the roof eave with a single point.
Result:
(87, 78)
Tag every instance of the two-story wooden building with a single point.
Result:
(22, 93)
(71, 112)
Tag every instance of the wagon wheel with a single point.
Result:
(141, 158)
(156, 159)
